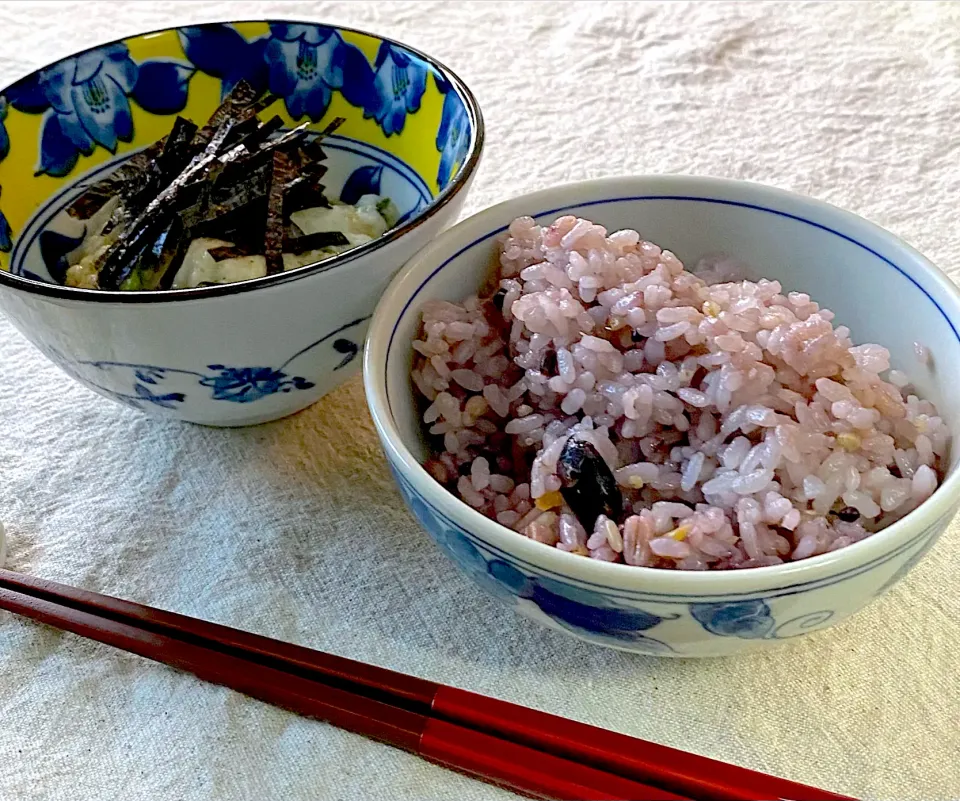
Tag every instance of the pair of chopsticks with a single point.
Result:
(531, 752)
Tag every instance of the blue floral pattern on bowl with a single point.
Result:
(303, 64)
(6, 235)
(453, 136)
(248, 384)
(362, 181)
(753, 620)
(583, 611)
(85, 101)
(4, 137)
(230, 384)
(306, 64)
(70, 124)
(642, 621)
(399, 83)
(747, 619)
(577, 609)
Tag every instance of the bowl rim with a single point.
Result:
(450, 244)
(456, 184)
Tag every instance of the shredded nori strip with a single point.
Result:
(217, 142)
(256, 138)
(229, 252)
(313, 147)
(250, 184)
(93, 199)
(233, 179)
(155, 263)
(291, 244)
(236, 107)
(260, 135)
(273, 236)
(126, 181)
(239, 131)
(261, 105)
(243, 226)
(317, 241)
(177, 149)
(248, 145)
(304, 192)
(286, 142)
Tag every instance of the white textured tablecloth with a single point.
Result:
(296, 533)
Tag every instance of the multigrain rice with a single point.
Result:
(605, 401)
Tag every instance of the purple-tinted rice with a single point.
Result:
(736, 419)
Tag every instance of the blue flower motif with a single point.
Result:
(230, 384)
(362, 181)
(248, 384)
(303, 64)
(399, 81)
(306, 63)
(87, 99)
(749, 620)
(453, 136)
(54, 248)
(161, 86)
(221, 51)
(578, 609)
(84, 100)
(4, 137)
(6, 235)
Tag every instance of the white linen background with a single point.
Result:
(294, 531)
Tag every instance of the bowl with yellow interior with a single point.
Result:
(197, 222)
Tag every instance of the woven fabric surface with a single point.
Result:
(294, 531)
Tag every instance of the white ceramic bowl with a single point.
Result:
(257, 350)
(879, 286)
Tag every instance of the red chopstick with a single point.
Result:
(511, 765)
(483, 736)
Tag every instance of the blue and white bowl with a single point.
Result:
(881, 288)
(257, 350)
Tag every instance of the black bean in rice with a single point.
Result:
(731, 419)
